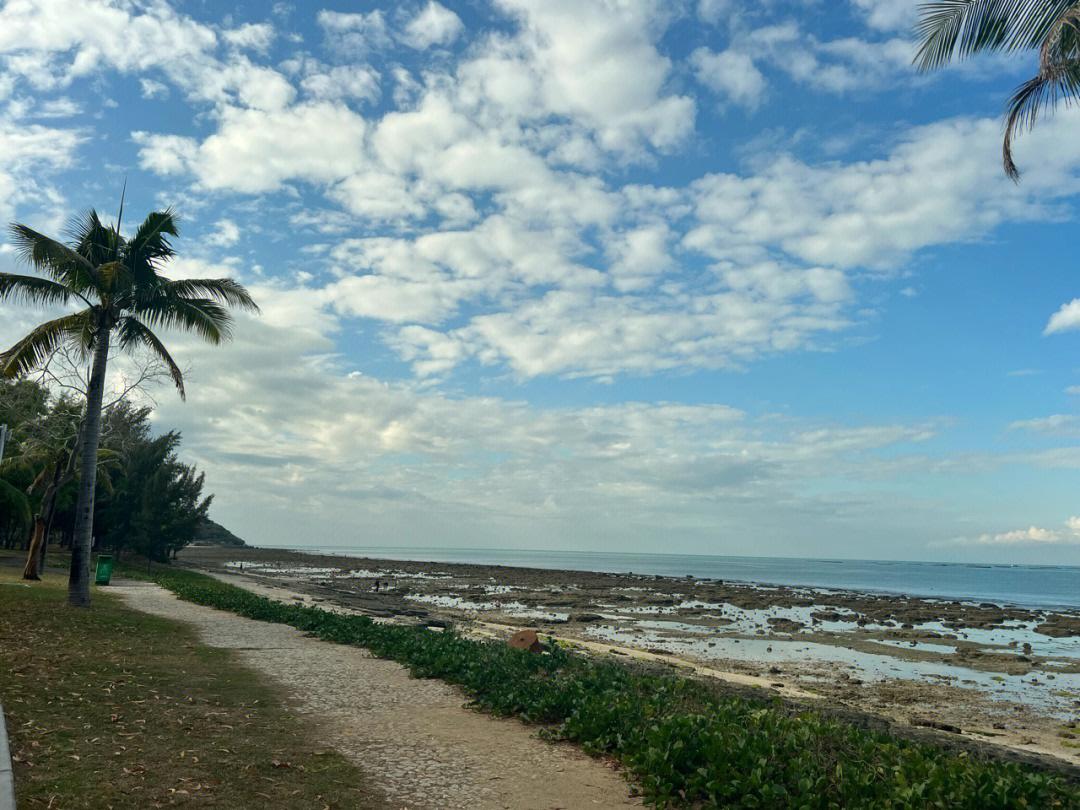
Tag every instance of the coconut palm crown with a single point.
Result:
(119, 295)
(960, 29)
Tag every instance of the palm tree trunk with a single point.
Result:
(79, 576)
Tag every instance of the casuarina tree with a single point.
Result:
(115, 293)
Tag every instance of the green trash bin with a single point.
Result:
(104, 569)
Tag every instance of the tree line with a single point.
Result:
(148, 501)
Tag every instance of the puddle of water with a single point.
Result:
(1011, 638)
(925, 646)
(868, 666)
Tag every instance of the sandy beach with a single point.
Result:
(971, 674)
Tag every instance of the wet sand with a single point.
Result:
(980, 674)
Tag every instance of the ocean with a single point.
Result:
(1032, 586)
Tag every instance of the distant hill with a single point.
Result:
(214, 534)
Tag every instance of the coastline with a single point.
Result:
(962, 668)
(1053, 587)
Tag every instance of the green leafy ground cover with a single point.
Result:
(687, 745)
(111, 708)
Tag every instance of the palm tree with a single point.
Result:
(962, 28)
(115, 283)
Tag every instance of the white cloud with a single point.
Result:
(260, 150)
(888, 15)
(226, 234)
(1065, 319)
(279, 407)
(30, 157)
(941, 183)
(355, 34)
(1029, 536)
(833, 66)
(597, 64)
(341, 82)
(434, 25)
(58, 108)
(730, 74)
(54, 42)
(153, 89)
(1058, 424)
(712, 11)
(256, 36)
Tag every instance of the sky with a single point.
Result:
(700, 276)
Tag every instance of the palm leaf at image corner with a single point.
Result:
(14, 502)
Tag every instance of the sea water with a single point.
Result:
(1034, 586)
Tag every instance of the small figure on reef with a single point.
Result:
(377, 586)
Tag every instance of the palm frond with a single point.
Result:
(223, 290)
(208, 319)
(36, 348)
(1060, 82)
(33, 290)
(131, 333)
(1062, 41)
(151, 237)
(958, 29)
(94, 241)
(115, 276)
(52, 258)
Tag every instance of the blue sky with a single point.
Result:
(709, 277)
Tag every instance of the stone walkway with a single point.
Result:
(414, 737)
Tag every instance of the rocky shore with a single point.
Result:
(999, 674)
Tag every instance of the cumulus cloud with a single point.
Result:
(257, 150)
(1065, 319)
(226, 233)
(282, 408)
(355, 34)
(434, 25)
(1059, 424)
(730, 74)
(30, 157)
(1033, 536)
(598, 64)
(941, 183)
(888, 15)
(256, 36)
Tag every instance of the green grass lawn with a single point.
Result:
(111, 708)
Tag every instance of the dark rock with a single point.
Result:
(586, 618)
(940, 726)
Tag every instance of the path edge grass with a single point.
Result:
(114, 707)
